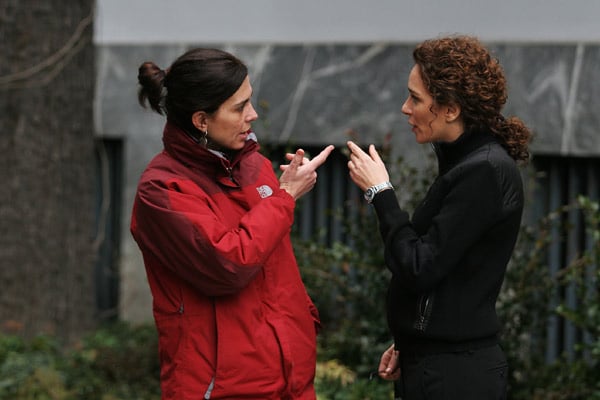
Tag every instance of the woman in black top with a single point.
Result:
(448, 261)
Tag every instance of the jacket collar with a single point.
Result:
(179, 145)
(450, 153)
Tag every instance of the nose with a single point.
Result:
(405, 108)
(252, 114)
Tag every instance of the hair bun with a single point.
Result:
(151, 78)
(150, 74)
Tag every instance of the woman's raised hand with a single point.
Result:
(365, 169)
(300, 175)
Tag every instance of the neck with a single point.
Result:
(455, 129)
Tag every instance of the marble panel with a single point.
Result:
(555, 90)
(317, 94)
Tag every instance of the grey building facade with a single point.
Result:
(319, 74)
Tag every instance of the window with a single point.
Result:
(109, 183)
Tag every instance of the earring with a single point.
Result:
(204, 138)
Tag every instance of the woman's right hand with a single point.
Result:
(300, 176)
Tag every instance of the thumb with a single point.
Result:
(296, 160)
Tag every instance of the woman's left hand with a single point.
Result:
(389, 365)
(366, 170)
(300, 175)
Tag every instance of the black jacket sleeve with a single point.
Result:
(469, 200)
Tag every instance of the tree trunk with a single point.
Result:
(47, 165)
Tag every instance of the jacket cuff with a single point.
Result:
(388, 211)
(281, 193)
(385, 202)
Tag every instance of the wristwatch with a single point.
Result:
(373, 190)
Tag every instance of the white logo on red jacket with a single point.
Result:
(264, 191)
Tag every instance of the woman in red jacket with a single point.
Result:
(213, 224)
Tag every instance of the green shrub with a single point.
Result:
(118, 362)
(31, 370)
(114, 363)
(335, 381)
(526, 305)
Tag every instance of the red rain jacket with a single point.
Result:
(233, 317)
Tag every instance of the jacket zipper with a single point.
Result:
(230, 172)
(424, 307)
(209, 389)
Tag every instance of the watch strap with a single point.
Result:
(373, 190)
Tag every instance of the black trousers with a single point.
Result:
(469, 375)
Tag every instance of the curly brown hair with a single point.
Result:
(460, 70)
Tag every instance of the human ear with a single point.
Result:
(452, 112)
(199, 120)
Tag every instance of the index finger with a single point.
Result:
(320, 159)
(355, 149)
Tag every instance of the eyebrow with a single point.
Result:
(243, 102)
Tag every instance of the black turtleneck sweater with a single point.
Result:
(448, 262)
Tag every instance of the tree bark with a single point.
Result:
(47, 165)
